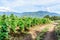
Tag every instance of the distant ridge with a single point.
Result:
(31, 14)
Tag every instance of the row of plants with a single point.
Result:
(57, 31)
(14, 24)
(42, 34)
(52, 17)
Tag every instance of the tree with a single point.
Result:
(47, 16)
(55, 18)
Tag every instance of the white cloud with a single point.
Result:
(29, 5)
(48, 9)
(5, 9)
(27, 2)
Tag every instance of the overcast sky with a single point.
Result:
(30, 5)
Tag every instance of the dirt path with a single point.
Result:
(37, 29)
(51, 34)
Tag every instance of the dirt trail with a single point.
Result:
(34, 31)
(51, 34)
(37, 29)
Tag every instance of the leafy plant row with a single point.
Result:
(16, 24)
(57, 31)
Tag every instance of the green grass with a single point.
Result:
(57, 30)
(42, 34)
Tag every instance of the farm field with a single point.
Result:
(28, 28)
(29, 19)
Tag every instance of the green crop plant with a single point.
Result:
(57, 31)
(34, 21)
(45, 20)
(3, 32)
(12, 22)
(28, 22)
(21, 25)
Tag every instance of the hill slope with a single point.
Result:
(31, 14)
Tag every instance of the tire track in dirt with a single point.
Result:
(51, 34)
(34, 31)
(37, 29)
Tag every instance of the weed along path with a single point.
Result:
(36, 30)
(50, 35)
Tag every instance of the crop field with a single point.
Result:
(13, 24)
(29, 19)
(18, 28)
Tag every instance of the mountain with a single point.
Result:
(9, 13)
(31, 14)
(40, 14)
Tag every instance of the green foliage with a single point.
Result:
(47, 16)
(52, 17)
(3, 32)
(15, 24)
(55, 18)
(57, 31)
(21, 24)
(42, 34)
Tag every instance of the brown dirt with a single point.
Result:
(50, 35)
(34, 31)
(37, 29)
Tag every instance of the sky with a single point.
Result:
(30, 5)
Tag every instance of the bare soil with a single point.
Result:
(34, 31)
(37, 29)
(50, 35)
